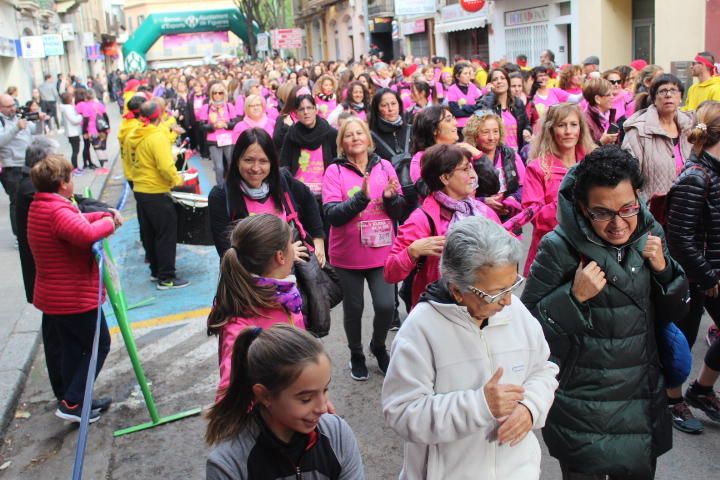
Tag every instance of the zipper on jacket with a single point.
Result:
(492, 369)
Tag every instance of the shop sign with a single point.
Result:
(286, 38)
(414, 7)
(453, 13)
(8, 47)
(53, 44)
(525, 16)
(67, 30)
(382, 24)
(262, 42)
(472, 6)
(32, 46)
(410, 28)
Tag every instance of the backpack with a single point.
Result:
(659, 202)
(405, 292)
(399, 161)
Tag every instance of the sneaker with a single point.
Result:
(101, 404)
(358, 369)
(382, 357)
(153, 278)
(60, 131)
(707, 402)
(712, 335)
(73, 413)
(684, 420)
(78, 171)
(172, 283)
(395, 324)
(92, 166)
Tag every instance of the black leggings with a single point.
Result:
(86, 153)
(691, 323)
(75, 144)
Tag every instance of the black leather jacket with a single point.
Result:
(693, 226)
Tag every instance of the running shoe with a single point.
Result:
(712, 335)
(73, 413)
(358, 369)
(78, 171)
(684, 420)
(707, 402)
(382, 357)
(172, 283)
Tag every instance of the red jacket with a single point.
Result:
(60, 238)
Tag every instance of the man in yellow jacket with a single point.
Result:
(708, 87)
(130, 121)
(153, 171)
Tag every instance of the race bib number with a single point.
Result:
(376, 233)
(223, 139)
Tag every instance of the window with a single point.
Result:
(141, 19)
(527, 40)
(643, 45)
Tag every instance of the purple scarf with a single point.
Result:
(460, 208)
(286, 292)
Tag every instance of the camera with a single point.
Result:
(26, 114)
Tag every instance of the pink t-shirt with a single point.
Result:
(225, 113)
(268, 126)
(324, 107)
(311, 169)
(256, 207)
(511, 129)
(519, 167)
(405, 91)
(679, 160)
(91, 110)
(365, 241)
(555, 96)
(416, 166)
(231, 330)
(454, 94)
(198, 102)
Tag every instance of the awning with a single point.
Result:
(63, 7)
(459, 25)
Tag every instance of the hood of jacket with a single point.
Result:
(713, 81)
(143, 132)
(576, 229)
(647, 122)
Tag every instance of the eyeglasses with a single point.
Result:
(466, 169)
(668, 92)
(615, 82)
(218, 93)
(605, 215)
(498, 296)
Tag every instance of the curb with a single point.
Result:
(19, 354)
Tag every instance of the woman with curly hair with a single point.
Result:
(563, 140)
(571, 79)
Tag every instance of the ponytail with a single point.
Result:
(255, 240)
(706, 131)
(273, 358)
(230, 415)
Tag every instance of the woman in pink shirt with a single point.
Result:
(324, 93)
(463, 96)
(218, 118)
(357, 100)
(362, 200)
(255, 117)
(448, 172)
(256, 288)
(564, 139)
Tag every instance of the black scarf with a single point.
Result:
(299, 136)
(326, 98)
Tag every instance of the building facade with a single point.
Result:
(332, 29)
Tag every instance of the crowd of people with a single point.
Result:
(416, 178)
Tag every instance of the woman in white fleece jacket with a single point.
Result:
(469, 375)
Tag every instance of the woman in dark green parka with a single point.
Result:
(598, 287)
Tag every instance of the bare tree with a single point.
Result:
(267, 14)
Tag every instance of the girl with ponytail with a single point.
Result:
(273, 421)
(255, 287)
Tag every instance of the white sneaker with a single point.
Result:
(60, 131)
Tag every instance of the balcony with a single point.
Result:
(381, 8)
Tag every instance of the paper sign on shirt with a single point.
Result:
(224, 139)
(198, 103)
(376, 233)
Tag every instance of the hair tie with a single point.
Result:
(701, 126)
(255, 332)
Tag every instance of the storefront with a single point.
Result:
(459, 32)
(527, 27)
(417, 37)
(381, 37)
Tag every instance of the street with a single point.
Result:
(181, 362)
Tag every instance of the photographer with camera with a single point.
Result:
(16, 135)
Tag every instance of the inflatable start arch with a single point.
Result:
(170, 23)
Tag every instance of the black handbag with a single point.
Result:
(319, 286)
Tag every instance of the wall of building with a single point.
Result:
(605, 30)
(679, 32)
(12, 71)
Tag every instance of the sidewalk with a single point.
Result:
(19, 321)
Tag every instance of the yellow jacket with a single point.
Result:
(699, 92)
(126, 127)
(152, 164)
(169, 122)
(481, 77)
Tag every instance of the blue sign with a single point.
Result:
(53, 44)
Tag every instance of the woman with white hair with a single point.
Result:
(469, 375)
